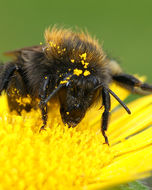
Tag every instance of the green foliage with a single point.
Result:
(124, 26)
(131, 186)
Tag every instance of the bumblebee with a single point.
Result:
(71, 66)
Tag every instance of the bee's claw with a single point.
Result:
(106, 143)
(42, 128)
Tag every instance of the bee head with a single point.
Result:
(75, 98)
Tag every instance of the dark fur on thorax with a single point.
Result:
(41, 61)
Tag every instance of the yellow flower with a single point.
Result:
(75, 158)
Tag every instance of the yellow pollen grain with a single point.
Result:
(51, 44)
(40, 43)
(86, 73)
(83, 56)
(67, 113)
(68, 78)
(77, 72)
(72, 60)
(45, 77)
(86, 65)
(24, 101)
(82, 62)
(63, 82)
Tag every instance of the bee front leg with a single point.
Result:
(105, 116)
(42, 104)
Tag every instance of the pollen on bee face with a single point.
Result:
(63, 82)
(86, 73)
(67, 113)
(85, 64)
(72, 60)
(82, 61)
(68, 78)
(77, 72)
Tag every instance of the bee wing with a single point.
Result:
(16, 54)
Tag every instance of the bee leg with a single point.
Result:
(105, 116)
(7, 74)
(42, 96)
(44, 117)
(131, 82)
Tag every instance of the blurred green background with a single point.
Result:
(124, 27)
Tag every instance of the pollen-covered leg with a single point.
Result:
(105, 116)
(44, 117)
(12, 81)
(132, 83)
(43, 105)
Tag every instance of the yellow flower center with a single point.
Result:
(74, 158)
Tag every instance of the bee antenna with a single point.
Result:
(116, 97)
(120, 101)
(53, 93)
(57, 89)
